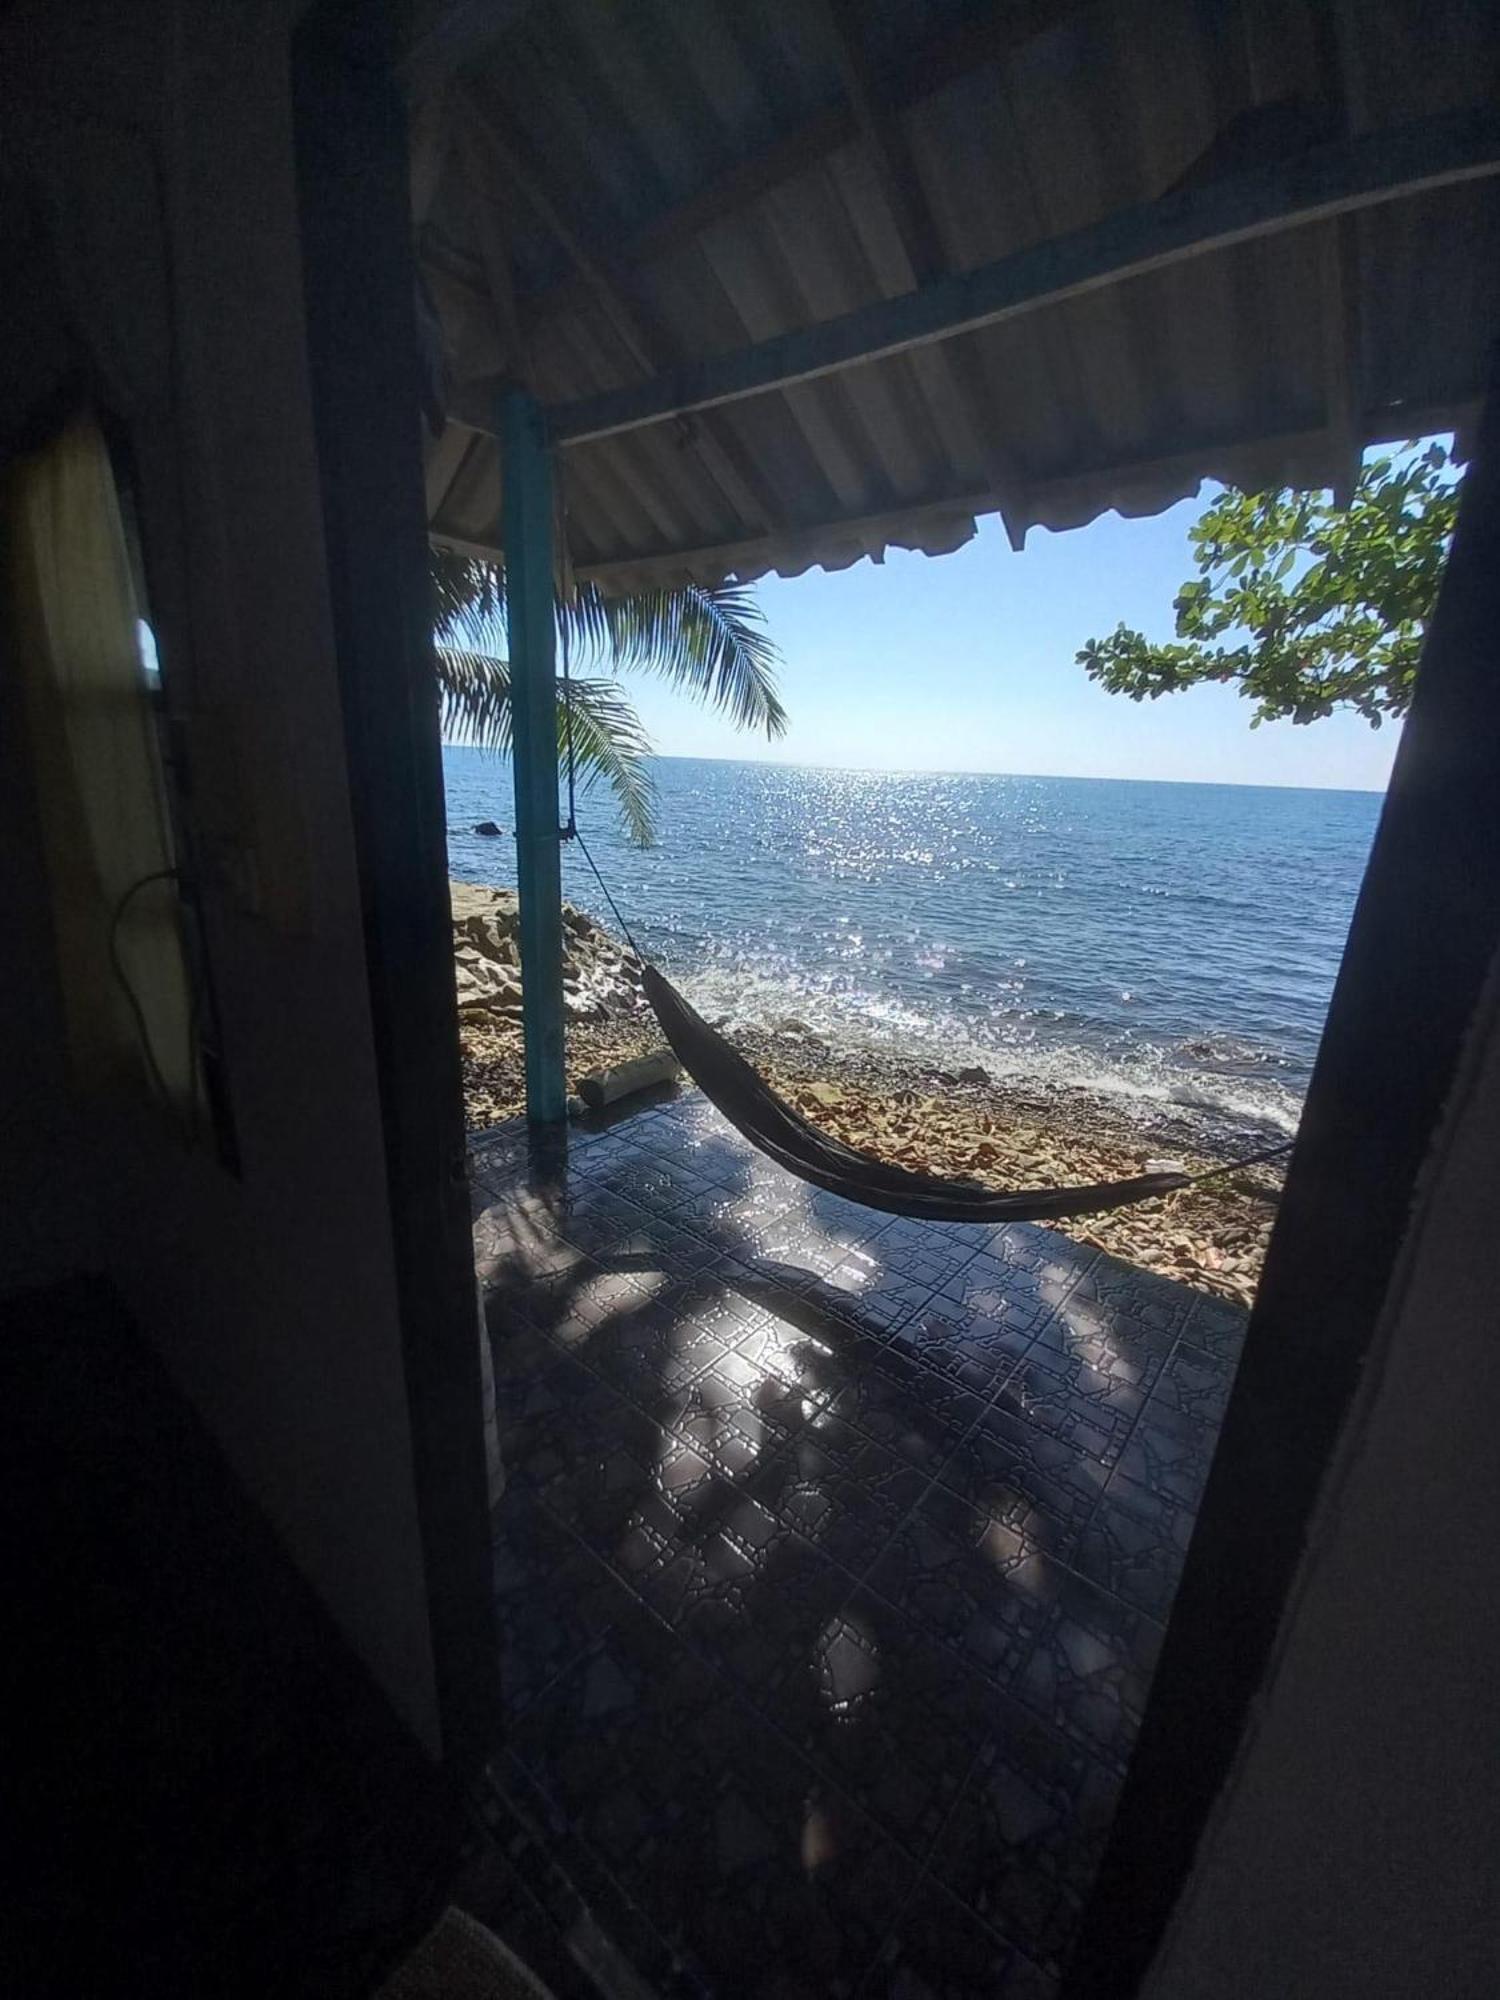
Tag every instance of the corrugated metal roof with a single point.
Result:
(663, 182)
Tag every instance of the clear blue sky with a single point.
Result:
(965, 663)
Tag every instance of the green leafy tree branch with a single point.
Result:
(1307, 606)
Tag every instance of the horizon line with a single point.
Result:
(959, 771)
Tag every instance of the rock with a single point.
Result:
(489, 829)
(973, 1074)
(608, 1086)
(601, 981)
(826, 1094)
(791, 1026)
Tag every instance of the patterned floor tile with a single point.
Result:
(986, 1289)
(1106, 1339)
(1025, 1838)
(1158, 1304)
(919, 1416)
(653, 1350)
(597, 1485)
(828, 1557)
(801, 1357)
(1170, 1454)
(877, 1299)
(1090, 1670)
(604, 1743)
(1136, 1544)
(941, 1951)
(576, 1306)
(747, 1861)
(754, 1598)
(969, 1578)
(737, 1222)
(773, 1886)
(598, 1218)
(663, 1243)
(898, 1725)
(973, 1349)
(1217, 1328)
(664, 1181)
(1005, 1444)
(1194, 1384)
(1090, 1412)
(517, 1239)
(839, 1489)
(1050, 1509)
(555, 1602)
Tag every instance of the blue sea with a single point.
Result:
(1170, 946)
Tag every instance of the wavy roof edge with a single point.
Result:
(1095, 186)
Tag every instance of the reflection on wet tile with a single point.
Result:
(831, 1561)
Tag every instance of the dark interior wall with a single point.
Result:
(45, 1177)
(271, 1294)
(1353, 1851)
(1392, 1068)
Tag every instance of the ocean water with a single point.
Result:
(1170, 946)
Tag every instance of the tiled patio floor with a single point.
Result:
(833, 1556)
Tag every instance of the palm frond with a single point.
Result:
(713, 643)
(474, 690)
(468, 597)
(609, 745)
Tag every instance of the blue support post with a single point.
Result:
(530, 615)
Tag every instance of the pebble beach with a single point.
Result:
(962, 1123)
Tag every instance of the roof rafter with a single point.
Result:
(1318, 185)
(990, 37)
(494, 248)
(921, 242)
(1209, 458)
(715, 445)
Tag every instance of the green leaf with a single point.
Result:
(1347, 632)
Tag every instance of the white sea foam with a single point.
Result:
(1144, 1080)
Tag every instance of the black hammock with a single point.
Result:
(784, 1135)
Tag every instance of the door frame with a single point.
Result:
(359, 282)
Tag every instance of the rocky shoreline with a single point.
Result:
(933, 1121)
